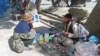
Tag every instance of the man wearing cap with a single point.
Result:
(24, 30)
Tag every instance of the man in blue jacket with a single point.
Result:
(24, 30)
(25, 25)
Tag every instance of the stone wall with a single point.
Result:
(93, 22)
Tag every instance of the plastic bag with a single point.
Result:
(93, 39)
(18, 46)
(4, 5)
(86, 49)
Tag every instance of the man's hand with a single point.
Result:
(65, 33)
(32, 29)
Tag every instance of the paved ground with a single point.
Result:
(6, 30)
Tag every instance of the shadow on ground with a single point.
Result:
(55, 20)
(6, 22)
(10, 42)
(51, 9)
(58, 25)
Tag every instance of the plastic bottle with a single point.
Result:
(41, 39)
(47, 37)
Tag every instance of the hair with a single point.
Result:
(68, 16)
(78, 21)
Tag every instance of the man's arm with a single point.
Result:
(75, 30)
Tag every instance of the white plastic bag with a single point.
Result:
(83, 31)
(86, 49)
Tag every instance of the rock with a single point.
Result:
(79, 13)
(93, 22)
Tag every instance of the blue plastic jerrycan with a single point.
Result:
(36, 17)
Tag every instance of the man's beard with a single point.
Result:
(67, 22)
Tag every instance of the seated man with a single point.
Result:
(24, 30)
(70, 28)
(68, 25)
(74, 30)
